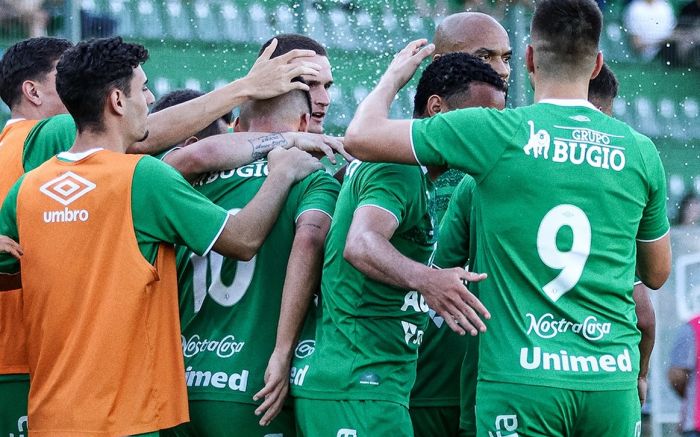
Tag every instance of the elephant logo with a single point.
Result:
(538, 143)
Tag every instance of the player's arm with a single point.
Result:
(371, 135)
(654, 261)
(369, 250)
(8, 247)
(266, 79)
(302, 279)
(646, 323)
(244, 233)
(227, 151)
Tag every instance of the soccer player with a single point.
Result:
(319, 83)
(98, 270)
(27, 75)
(453, 81)
(242, 328)
(560, 250)
(358, 379)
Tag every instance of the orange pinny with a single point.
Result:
(13, 340)
(105, 355)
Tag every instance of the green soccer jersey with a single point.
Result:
(441, 353)
(48, 138)
(564, 190)
(369, 332)
(229, 309)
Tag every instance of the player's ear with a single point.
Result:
(30, 91)
(304, 122)
(530, 59)
(598, 65)
(435, 105)
(115, 100)
(190, 140)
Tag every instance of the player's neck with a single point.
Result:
(27, 112)
(552, 89)
(108, 139)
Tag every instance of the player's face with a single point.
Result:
(492, 46)
(138, 101)
(51, 103)
(318, 88)
(482, 95)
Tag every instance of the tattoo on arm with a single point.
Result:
(262, 145)
(313, 225)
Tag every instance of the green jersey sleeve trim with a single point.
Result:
(296, 219)
(655, 239)
(218, 234)
(379, 207)
(413, 146)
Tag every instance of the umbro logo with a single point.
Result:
(67, 188)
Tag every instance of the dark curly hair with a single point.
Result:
(604, 86)
(29, 59)
(87, 73)
(451, 75)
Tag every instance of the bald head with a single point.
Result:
(479, 35)
(286, 113)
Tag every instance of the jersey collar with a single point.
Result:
(569, 102)
(13, 120)
(68, 156)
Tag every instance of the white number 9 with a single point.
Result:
(572, 262)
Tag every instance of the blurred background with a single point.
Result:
(651, 45)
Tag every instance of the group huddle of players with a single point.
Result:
(312, 304)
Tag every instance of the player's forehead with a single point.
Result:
(483, 36)
(139, 77)
(483, 95)
(325, 75)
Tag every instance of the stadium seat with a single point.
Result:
(234, 21)
(205, 19)
(178, 19)
(149, 19)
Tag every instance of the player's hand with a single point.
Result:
(406, 62)
(269, 78)
(8, 245)
(275, 390)
(320, 144)
(293, 163)
(642, 389)
(446, 293)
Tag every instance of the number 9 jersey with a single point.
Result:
(564, 191)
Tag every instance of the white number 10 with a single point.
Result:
(572, 262)
(224, 295)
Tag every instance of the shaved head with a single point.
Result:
(279, 114)
(479, 35)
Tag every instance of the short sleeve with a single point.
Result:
(391, 187)
(48, 138)
(471, 140)
(8, 227)
(320, 194)
(166, 208)
(683, 352)
(453, 244)
(654, 223)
